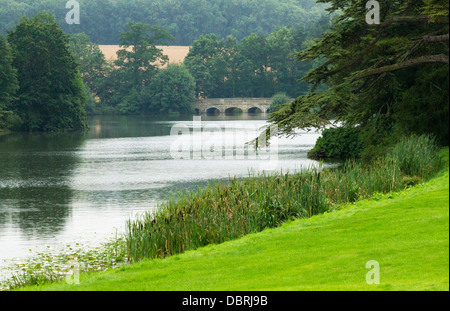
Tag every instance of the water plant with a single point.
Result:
(54, 265)
(221, 212)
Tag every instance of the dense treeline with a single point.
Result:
(50, 80)
(138, 81)
(8, 84)
(256, 66)
(104, 20)
(241, 56)
(41, 88)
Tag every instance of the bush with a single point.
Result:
(10, 121)
(171, 90)
(338, 143)
(409, 181)
(278, 100)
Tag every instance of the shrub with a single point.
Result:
(10, 121)
(338, 143)
(409, 181)
(278, 100)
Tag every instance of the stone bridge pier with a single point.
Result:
(231, 105)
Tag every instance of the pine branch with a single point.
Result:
(440, 58)
(383, 26)
(430, 38)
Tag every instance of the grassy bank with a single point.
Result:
(223, 212)
(407, 232)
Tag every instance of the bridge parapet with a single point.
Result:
(203, 106)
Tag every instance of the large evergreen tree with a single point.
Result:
(389, 79)
(51, 96)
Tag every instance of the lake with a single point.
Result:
(60, 188)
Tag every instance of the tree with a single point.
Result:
(285, 71)
(137, 63)
(200, 63)
(8, 84)
(374, 71)
(142, 60)
(51, 94)
(172, 89)
(254, 70)
(278, 100)
(92, 62)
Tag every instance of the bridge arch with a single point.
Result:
(212, 111)
(255, 110)
(233, 110)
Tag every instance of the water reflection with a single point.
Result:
(34, 183)
(133, 126)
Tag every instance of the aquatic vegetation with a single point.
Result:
(222, 212)
(53, 265)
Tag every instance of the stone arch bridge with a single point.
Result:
(231, 105)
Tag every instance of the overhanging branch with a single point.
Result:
(383, 26)
(440, 58)
(431, 39)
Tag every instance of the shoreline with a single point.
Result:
(4, 132)
(123, 255)
(255, 251)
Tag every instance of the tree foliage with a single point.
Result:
(93, 65)
(137, 64)
(172, 89)
(337, 143)
(256, 66)
(104, 20)
(8, 84)
(51, 93)
(389, 79)
(278, 100)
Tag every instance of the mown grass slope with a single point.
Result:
(406, 232)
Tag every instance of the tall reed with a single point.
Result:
(221, 212)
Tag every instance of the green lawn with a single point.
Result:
(407, 233)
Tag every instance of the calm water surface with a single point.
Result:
(82, 187)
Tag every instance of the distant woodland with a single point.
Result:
(104, 20)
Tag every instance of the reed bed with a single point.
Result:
(222, 212)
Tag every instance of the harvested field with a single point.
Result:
(176, 54)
